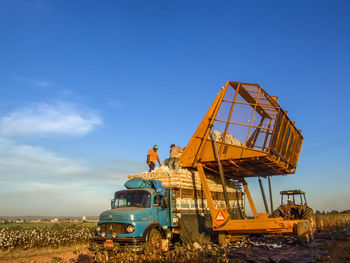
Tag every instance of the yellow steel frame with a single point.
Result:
(198, 153)
(260, 224)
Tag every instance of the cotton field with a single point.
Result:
(54, 236)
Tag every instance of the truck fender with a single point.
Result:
(150, 227)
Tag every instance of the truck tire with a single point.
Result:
(277, 213)
(154, 241)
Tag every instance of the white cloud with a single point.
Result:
(42, 83)
(114, 104)
(35, 82)
(48, 199)
(44, 118)
(28, 162)
(38, 181)
(35, 181)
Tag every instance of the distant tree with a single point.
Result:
(317, 212)
(334, 212)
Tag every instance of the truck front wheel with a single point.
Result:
(154, 241)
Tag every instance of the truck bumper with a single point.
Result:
(122, 241)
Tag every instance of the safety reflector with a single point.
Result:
(220, 216)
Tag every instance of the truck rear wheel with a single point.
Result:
(154, 241)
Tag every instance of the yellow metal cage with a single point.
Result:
(254, 136)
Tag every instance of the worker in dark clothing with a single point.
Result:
(152, 157)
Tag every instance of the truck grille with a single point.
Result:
(110, 228)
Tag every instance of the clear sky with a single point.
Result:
(87, 87)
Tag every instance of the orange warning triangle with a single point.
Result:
(220, 216)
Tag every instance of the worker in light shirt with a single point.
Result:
(152, 157)
(175, 153)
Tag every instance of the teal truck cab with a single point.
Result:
(140, 214)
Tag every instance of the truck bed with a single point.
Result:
(188, 196)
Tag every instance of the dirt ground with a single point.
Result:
(328, 247)
(339, 253)
(43, 255)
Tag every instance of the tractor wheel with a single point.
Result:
(277, 213)
(305, 232)
(309, 215)
(154, 241)
(311, 234)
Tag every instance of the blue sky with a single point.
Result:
(87, 87)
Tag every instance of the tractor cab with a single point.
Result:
(293, 206)
(293, 198)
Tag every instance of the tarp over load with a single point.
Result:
(253, 134)
(138, 182)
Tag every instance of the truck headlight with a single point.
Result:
(130, 229)
(98, 229)
(103, 234)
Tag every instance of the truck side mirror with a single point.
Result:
(111, 203)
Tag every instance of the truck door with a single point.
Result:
(162, 209)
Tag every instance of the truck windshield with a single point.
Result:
(132, 199)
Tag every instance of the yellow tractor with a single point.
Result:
(294, 206)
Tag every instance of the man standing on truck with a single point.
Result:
(175, 153)
(152, 157)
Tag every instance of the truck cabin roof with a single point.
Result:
(150, 190)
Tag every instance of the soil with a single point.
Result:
(43, 255)
(328, 247)
(339, 253)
